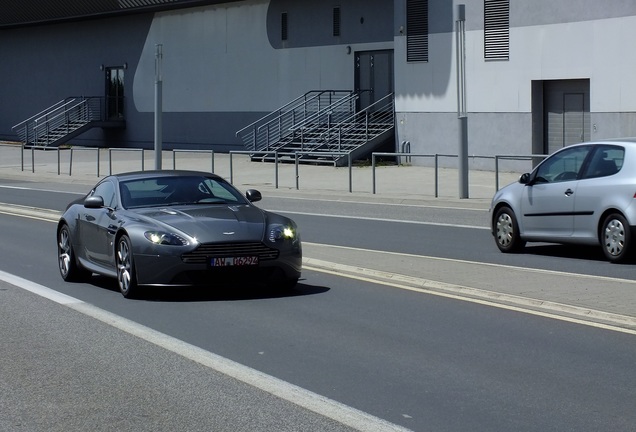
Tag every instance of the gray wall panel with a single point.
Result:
(489, 134)
(541, 12)
(46, 64)
(310, 22)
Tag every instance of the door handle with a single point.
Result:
(569, 192)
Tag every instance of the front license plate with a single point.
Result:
(234, 261)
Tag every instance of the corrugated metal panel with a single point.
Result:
(24, 12)
(497, 29)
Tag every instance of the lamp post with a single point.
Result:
(158, 106)
(460, 41)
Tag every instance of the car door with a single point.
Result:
(95, 226)
(547, 204)
(599, 188)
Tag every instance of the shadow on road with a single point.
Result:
(222, 292)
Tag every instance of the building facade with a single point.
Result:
(538, 74)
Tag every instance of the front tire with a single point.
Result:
(615, 237)
(506, 231)
(126, 277)
(70, 270)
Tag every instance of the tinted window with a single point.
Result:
(106, 190)
(605, 161)
(162, 191)
(562, 166)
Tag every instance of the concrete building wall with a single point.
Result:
(226, 65)
(223, 66)
(548, 41)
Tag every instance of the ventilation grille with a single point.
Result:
(497, 29)
(283, 26)
(336, 21)
(417, 30)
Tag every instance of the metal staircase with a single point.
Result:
(324, 133)
(63, 121)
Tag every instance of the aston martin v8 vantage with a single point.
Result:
(175, 228)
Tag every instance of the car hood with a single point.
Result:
(211, 223)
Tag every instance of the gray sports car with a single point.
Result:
(163, 228)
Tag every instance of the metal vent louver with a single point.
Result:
(497, 29)
(417, 30)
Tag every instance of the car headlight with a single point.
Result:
(281, 233)
(164, 238)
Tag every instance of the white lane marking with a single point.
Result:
(514, 308)
(485, 264)
(38, 289)
(41, 190)
(380, 219)
(299, 396)
(379, 203)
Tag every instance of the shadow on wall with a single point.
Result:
(434, 77)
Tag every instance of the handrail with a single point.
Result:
(61, 116)
(317, 94)
(367, 109)
(51, 108)
(352, 97)
(276, 125)
(358, 119)
(45, 114)
(50, 120)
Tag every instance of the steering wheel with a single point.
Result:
(566, 175)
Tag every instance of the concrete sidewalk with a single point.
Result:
(393, 182)
(589, 298)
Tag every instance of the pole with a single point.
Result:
(460, 40)
(158, 106)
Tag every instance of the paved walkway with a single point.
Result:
(600, 299)
(391, 181)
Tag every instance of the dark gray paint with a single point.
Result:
(310, 22)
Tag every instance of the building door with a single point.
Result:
(573, 118)
(115, 93)
(374, 76)
(566, 113)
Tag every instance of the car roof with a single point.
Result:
(137, 175)
(627, 141)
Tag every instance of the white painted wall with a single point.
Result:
(598, 50)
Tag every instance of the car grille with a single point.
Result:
(221, 250)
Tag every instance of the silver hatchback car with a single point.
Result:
(581, 194)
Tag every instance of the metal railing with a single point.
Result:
(362, 126)
(434, 156)
(274, 126)
(59, 120)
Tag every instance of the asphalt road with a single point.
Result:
(420, 361)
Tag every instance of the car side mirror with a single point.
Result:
(525, 178)
(253, 195)
(94, 202)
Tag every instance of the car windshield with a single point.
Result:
(177, 190)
